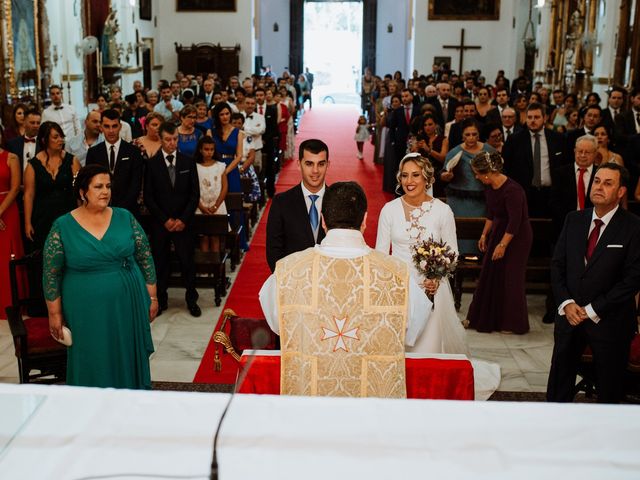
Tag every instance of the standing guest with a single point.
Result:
(102, 103)
(135, 113)
(48, 184)
(90, 136)
(152, 99)
(592, 116)
(464, 191)
(188, 134)
(509, 126)
(206, 94)
(294, 220)
(483, 105)
(499, 302)
(150, 143)
(595, 273)
(213, 187)
(116, 94)
(455, 132)
(204, 122)
(571, 187)
(444, 103)
(501, 104)
(457, 118)
(10, 232)
(122, 159)
(17, 127)
(605, 155)
(381, 130)
(493, 136)
(269, 139)
(125, 128)
(25, 146)
(362, 135)
(228, 144)
(61, 113)
(414, 217)
(99, 280)
(248, 158)
(614, 106)
(434, 146)
(628, 123)
(172, 205)
(169, 107)
(520, 105)
(531, 156)
(305, 90)
(254, 128)
(399, 123)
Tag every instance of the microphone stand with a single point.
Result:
(241, 378)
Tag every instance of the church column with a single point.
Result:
(634, 72)
(623, 43)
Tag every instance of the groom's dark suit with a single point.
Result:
(179, 202)
(608, 282)
(288, 226)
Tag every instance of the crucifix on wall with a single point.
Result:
(461, 48)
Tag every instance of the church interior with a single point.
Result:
(100, 53)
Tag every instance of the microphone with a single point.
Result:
(259, 339)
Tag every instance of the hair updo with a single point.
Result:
(487, 162)
(423, 163)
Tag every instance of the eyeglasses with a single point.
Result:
(495, 135)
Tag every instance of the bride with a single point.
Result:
(413, 217)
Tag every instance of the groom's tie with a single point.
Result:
(313, 213)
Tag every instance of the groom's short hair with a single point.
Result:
(344, 205)
(313, 145)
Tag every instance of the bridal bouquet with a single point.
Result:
(434, 260)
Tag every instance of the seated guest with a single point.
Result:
(90, 136)
(322, 301)
(48, 184)
(24, 146)
(122, 159)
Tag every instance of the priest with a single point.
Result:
(344, 312)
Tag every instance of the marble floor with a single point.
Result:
(180, 341)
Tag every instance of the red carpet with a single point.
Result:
(335, 125)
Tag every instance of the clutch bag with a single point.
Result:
(67, 339)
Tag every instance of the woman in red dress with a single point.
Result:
(10, 236)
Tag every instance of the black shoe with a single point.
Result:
(194, 309)
(548, 318)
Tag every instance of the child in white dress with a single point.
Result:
(213, 187)
(362, 135)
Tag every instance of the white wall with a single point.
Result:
(226, 28)
(391, 48)
(274, 46)
(498, 39)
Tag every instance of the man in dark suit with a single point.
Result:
(269, 140)
(25, 146)
(530, 156)
(444, 104)
(455, 132)
(294, 218)
(399, 123)
(502, 103)
(206, 92)
(628, 123)
(595, 273)
(614, 107)
(123, 160)
(172, 193)
(592, 118)
(571, 184)
(509, 124)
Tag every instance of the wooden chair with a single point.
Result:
(40, 358)
(210, 266)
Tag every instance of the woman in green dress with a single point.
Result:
(99, 280)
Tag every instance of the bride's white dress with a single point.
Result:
(399, 227)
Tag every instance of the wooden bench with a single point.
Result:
(538, 265)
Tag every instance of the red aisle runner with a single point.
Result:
(335, 125)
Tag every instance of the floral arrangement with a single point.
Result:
(434, 260)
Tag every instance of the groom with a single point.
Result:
(294, 217)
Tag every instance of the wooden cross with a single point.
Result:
(462, 47)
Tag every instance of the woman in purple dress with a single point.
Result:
(499, 302)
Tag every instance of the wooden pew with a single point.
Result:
(538, 264)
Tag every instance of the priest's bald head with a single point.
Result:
(344, 205)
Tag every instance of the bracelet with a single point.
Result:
(153, 299)
(502, 245)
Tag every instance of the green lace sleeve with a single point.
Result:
(143, 252)
(52, 264)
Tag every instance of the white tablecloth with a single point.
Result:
(79, 432)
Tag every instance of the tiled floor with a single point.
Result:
(180, 341)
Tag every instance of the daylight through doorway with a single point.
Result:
(333, 50)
